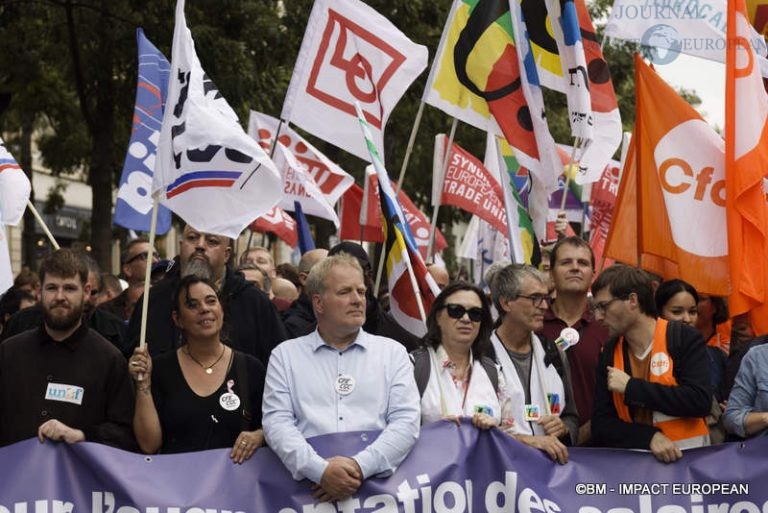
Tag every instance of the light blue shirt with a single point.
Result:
(749, 392)
(303, 398)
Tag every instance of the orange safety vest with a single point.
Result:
(692, 430)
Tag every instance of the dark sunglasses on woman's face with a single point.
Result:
(457, 312)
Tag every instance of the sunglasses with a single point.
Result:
(457, 312)
(141, 256)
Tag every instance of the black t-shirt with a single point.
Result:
(193, 423)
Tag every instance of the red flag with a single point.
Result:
(351, 229)
(277, 221)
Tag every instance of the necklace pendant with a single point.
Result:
(209, 370)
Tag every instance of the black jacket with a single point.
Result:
(251, 322)
(692, 396)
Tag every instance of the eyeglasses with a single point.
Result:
(537, 299)
(602, 306)
(142, 256)
(457, 312)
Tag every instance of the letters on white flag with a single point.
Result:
(350, 53)
(209, 171)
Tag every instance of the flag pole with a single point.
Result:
(415, 285)
(148, 275)
(409, 148)
(441, 179)
(572, 159)
(43, 225)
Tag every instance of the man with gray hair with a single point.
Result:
(340, 378)
(535, 370)
(252, 324)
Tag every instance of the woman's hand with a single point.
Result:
(483, 421)
(140, 368)
(246, 444)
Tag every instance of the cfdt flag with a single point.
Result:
(14, 188)
(329, 177)
(350, 53)
(133, 209)
(679, 176)
(746, 161)
(411, 287)
(209, 171)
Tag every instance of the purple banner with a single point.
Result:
(451, 470)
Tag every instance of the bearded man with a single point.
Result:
(63, 381)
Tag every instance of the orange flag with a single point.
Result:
(746, 157)
(670, 216)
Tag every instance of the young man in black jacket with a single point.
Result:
(652, 389)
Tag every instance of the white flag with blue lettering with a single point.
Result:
(209, 171)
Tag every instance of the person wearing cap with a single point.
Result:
(535, 369)
(571, 270)
(134, 258)
(340, 378)
(253, 325)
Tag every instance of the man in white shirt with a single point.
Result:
(340, 378)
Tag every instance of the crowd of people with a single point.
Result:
(244, 356)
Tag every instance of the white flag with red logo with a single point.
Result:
(467, 184)
(14, 188)
(277, 221)
(329, 177)
(208, 170)
(676, 175)
(350, 53)
(299, 187)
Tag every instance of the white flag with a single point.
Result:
(209, 171)
(671, 28)
(6, 274)
(350, 53)
(298, 186)
(329, 177)
(14, 188)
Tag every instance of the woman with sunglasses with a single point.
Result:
(204, 395)
(453, 375)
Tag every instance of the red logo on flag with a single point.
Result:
(347, 63)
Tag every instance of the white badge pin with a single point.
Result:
(568, 337)
(229, 400)
(345, 385)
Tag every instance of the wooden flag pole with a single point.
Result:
(409, 148)
(148, 275)
(576, 145)
(441, 179)
(415, 285)
(43, 225)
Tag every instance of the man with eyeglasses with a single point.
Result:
(653, 385)
(135, 258)
(535, 370)
(572, 269)
(252, 323)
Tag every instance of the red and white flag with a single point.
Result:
(14, 188)
(467, 184)
(299, 187)
(370, 215)
(277, 221)
(208, 170)
(350, 53)
(329, 177)
(746, 163)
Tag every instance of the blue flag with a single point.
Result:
(134, 199)
(306, 242)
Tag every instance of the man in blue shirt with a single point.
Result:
(340, 378)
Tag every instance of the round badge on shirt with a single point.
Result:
(229, 400)
(345, 384)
